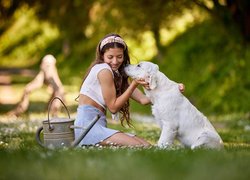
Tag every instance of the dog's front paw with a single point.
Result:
(162, 145)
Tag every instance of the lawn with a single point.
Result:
(22, 158)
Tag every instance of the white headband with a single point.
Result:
(112, 39)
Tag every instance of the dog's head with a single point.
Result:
(145, 70)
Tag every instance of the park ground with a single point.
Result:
(22, 158)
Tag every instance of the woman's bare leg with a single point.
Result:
(143, 141)
(121, 139)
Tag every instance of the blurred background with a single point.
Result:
(201, 43)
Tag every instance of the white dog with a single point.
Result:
(178, 118)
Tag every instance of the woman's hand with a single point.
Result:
(142, 82)
(181, 87)
(145, 84)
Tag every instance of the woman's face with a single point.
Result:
(114, 57)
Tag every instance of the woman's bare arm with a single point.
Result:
(114, 103)
(139, 97)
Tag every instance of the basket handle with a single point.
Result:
(50, 126)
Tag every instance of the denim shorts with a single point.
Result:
(99, 132)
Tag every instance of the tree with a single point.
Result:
(47, 75)
(71, 17)
(237, 11)
(145, 15)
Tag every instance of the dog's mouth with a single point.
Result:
(133, 74)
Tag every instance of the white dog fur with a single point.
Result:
(178, 118)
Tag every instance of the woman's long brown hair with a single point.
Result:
(120, 77)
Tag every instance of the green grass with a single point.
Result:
(125, 164)
(22, 158)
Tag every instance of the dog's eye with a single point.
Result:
(138, 65)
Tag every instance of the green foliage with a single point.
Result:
(213, 65)
(24, 42)
(209, 60)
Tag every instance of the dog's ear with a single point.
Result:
(155, 68)
(152, 76)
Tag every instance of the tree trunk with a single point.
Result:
(48, 75)
(159, 47)
(240, 10)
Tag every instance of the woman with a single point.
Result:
(106, 86)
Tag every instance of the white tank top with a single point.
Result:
(91, 86)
